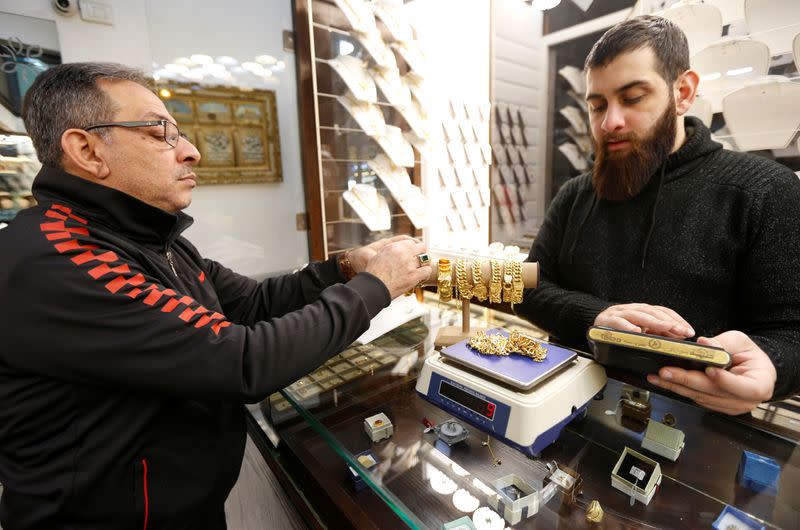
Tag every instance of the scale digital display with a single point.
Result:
(472, 402)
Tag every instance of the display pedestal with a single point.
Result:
(449, 335)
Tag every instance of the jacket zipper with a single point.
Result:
(144, 492)
(168, 254)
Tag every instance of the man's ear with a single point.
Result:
(83, 153)
(686, 91)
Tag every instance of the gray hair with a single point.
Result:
(67, 97)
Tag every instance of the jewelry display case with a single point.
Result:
(362, 124)
(421, 475)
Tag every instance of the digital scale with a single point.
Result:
(522, 402)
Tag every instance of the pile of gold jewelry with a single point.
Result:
(505, 281)
(516, 342)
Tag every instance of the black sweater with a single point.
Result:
(724, 251)
(122, 375)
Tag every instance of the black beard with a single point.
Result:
(621, 176)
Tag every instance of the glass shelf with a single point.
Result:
(320, 417)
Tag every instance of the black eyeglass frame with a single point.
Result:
(132, 124)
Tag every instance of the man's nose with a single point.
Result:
(186, 152)
(614, 119)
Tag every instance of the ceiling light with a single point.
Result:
(543, 5)
(199, 58)
(266, 59)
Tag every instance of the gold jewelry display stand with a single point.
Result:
(449, 335)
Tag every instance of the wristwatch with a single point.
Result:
(345, 266)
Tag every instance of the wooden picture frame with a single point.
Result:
(235, 131)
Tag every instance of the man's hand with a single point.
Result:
(396, 264)
(749, 382)
(645, 318)
(359, 257)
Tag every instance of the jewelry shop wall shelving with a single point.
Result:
(362, 123)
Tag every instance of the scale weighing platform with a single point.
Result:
(524, 403)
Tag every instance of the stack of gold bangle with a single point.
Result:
(444, 283)
(518, 285)
(508, 286)
(495, 283)
(479, 288)
(497, 344)
(462, 283)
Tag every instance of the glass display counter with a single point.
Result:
(394, 471)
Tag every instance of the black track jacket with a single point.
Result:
(126, 358)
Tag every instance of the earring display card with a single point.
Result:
(448, 176)
(457, 155)
(466, 177)
(500, 153)
(451, 130)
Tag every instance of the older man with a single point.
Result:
(127, 356)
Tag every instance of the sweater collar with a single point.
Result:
(118, 210)
(698, 144)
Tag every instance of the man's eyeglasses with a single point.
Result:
(171, 132)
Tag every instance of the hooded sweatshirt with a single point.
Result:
(714, 235)
(127, 358)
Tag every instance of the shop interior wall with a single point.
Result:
(520, 77)
(248, 227)
(455, 35)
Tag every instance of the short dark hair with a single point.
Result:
(67, 97)
(663, 36)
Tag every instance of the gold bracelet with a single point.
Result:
(462, 284)
(478, 287)
(495, 283)
(519, 286)
(445, 281)
(497, 344)
(507, 284)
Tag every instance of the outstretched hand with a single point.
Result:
(749, 382)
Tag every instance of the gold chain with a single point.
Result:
(519, 286)
(479, 288)
(445, 281)
(497, 344)
(495, 283)
(464, 288)
(507, 285)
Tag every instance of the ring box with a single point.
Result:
(636, 475)
(369, 461)
(515, 499)
(378, 427)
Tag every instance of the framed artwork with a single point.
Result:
(236, 131)
(180, 109)
(216, 146)
(213, 111)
